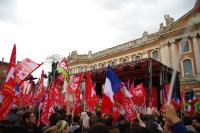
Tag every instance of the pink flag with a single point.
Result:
(24, 69)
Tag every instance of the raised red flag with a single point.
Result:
(47, 108)
(138, 94)
(9, 85)
(130, 112)
(90, 94)
(182, 99)
(74, 83)
(40, 88)
(77, 102)
(24, 69)
(106, 106)
(8, 89)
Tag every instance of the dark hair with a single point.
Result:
(26, 115)
(98, 114)
(54, 118)
(141, 130)
(124, 126)
(98, 128)
(76, 118)
(187, 121)
(197, 118)
(108, 120)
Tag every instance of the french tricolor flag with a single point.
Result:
(112, 86)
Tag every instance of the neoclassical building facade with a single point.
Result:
(176, 44)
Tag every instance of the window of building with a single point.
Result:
(113, 63)
(185, 47)
(187, 67)
(125, 61)
(103, 65)
(91, 67)
(155, 55)
(137, 57)
(4, 72)
(95, 67)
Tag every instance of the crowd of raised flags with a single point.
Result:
(117, 96)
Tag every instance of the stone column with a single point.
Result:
(174, 56)
(196, 53)
(167, 55)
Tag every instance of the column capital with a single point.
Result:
(172, 41)
(194, 35)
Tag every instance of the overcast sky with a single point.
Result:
(42, 27)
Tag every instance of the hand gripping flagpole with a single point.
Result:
(173, 79)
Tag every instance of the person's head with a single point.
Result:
(52, 129)
(108, 120)
(62, 126)
(124, 126)
(99, 128)
(196, 122)
(187, 121)
(29, 118)
(54, 118)
(76, 119)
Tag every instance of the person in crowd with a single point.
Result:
(98, 127)
(188, 124)
(62, 126)
(108, 120)
(172, 118)
(124, 126)
(29, 122)
(196, 123)
(75, 127)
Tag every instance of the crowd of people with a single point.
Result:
(26, 120)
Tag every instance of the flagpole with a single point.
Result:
(173, 78)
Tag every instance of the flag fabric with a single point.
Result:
(8, 89)
(129, 109)
(116, 112)
(90, 93)
(5, 106)
(192, 96)
(176, 102)
(138, 94)
(112, 86)
(40, 88)
(121, 94)
(165, 91)
(47, 108)
(9, 85)
(74, 83)
(24, 69)
(63, 68)
(77, 102)
(106, 106)
(182, 99)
